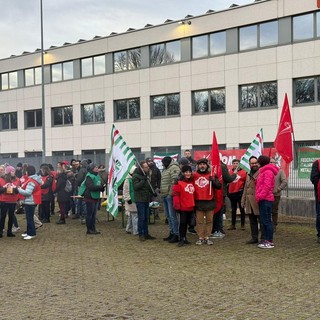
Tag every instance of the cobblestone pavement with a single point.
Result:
(65, 274)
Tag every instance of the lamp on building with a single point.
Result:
(188, 22)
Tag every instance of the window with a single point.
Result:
(268, 33)
(33, 118)
(209, 100)
(163, 106)
(303, 27)
(200, 47)
(62, 116)
(218, 44)
(8, 121)
(32, 76)
(307, 90)
(165, 53)
(93, 66)
(127, 109)
(63, 154)
(127, 60)
(62, 71)
(35, 154)
(93, 112)
(259, 95)
(9, 80)
(248, 37)
(258, 36)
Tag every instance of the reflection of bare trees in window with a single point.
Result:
(134, 108)
(217, 100)
(304, 90)
(68, 115)
(201, 101)
(166, 105)
(160, 54)
(268, 94)
(127, 60)
(93, 112)
(134, 59)
(173, 104)
(249, 97)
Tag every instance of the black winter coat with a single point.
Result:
(62, 195)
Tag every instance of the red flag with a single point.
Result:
(283, 141)
(216, 170)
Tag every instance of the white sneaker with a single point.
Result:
(15, 229)
(218, 235)
(199, 242)
(208, 242)
(265, 245)
(24, 235)
(29, 237)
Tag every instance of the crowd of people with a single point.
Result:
(187, 190)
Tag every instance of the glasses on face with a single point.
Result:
(253, 163)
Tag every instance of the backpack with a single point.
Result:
(68, 187)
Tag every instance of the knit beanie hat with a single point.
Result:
(184, 161)
(263, 160)
(186, 168)
(10, 169)
(91, 166)
(203, 160)
(166, 161)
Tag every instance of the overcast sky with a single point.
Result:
(71, 20)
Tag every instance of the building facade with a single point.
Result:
(168, 87)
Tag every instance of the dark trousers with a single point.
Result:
(143, 218)
(185, 220)
(254, 226)
(44, 210)
(235, 200)
(91, 215)
(7, 208)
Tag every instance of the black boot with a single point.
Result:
(10, 234)
(174, 239)
(169, 237)
(61, 221)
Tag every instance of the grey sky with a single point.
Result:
(71, 20)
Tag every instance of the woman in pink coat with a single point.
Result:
(265, 198)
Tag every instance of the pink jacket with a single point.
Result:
(265, 182)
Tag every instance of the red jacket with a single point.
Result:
(237, 184)
(183, 195)
(202, 186)
(9, 197)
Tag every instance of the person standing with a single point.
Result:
(63, 197)
(168, 178)
(90, 190)
(46, 193)
(31, 190)
(315, 179)
(249, 203)
(142, 196)
(130, 206)
(9, 197)
(280, 184)
(235, 191)
(205, 185)
(183, 202)
(265, 198)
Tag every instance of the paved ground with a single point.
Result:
(65, 274)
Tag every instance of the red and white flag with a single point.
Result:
(283, 141)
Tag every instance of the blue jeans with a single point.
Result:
(171, 215)
(7, 207)
(91, 215)
(143, 218)
(81, 209)
(265, 208)
(29, 210)
(318, 217)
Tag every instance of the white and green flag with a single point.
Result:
(121, 161)
(255, 149)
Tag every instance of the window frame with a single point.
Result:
(166, 115)
(63, 116)
(165, 60)
(127, 102)
(259, 87)
(127, 65)
(26, 112)
(62, 70)
(94, 113)
(209, 101)
(316, 91)
(10, 121)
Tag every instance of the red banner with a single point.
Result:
(229, 155)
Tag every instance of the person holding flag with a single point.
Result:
(315, 179)
(143, 192)
(205, 203)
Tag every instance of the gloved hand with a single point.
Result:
(211, 178)
(15, 190)
(129, 201)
